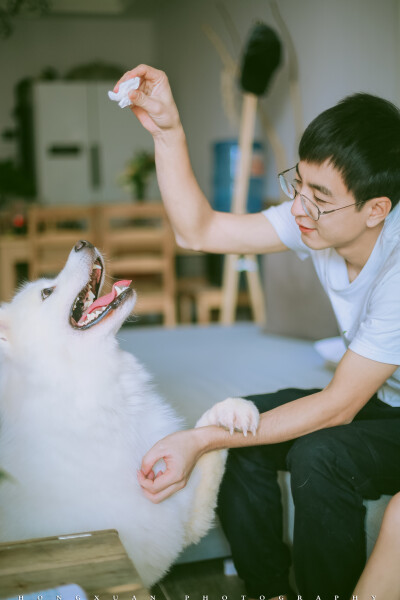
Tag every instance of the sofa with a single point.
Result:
(193, 367)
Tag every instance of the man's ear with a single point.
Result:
(379, 208)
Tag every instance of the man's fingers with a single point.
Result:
(164, 494)
(143, 71)
(143, 476)
(160, 483)
(139, 98)
(149, 460)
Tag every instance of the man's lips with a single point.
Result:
(305, 229)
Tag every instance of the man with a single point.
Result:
(341, 444)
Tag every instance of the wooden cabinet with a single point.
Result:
(83, 141)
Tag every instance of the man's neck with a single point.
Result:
(357, 254)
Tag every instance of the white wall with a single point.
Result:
(64, 43)
(343, 46)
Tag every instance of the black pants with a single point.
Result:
(332, 471)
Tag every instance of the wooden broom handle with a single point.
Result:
(239, 201)
(246, 136)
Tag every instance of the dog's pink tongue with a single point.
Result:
(107, 299)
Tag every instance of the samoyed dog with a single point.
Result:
(78, 414)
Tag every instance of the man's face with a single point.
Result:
(323, 184)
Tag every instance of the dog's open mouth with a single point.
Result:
(87, 309)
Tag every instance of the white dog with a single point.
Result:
(77, 415)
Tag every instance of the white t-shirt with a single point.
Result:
(367, 309)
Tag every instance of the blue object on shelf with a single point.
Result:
(226, 156)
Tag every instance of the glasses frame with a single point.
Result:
(303, 197)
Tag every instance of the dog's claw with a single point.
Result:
(235, 414)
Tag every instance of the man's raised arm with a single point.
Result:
(195, 223)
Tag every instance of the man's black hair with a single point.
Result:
(360, 137)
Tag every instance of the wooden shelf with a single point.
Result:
(96, 561)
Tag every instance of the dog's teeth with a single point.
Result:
(93, 315)
(96, 266)
(89, 300)
(119, 290)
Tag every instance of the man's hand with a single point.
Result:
(180, 452)
(153, 103)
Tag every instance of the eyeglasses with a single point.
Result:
(289, 188)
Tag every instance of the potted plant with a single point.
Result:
(137, 172)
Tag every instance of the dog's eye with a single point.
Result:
(46, 292)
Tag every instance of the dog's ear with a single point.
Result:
(4, 330)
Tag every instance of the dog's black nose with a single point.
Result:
(82, 244)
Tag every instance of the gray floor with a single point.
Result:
(198, 580)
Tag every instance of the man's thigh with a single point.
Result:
(366, 452)
(382, 439)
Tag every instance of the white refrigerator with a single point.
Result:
(83, 141)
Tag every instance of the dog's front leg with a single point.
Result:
(233, 414)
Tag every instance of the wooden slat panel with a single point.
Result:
(149, 303)
(147, 209)
(134, 236)
(136, 264)
(126, 233)
(48, 232)
(97, 562)
(62, 239)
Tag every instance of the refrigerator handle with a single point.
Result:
(95, 170)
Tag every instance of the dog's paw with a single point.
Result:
(233, 414)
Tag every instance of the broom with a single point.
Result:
(260, 59)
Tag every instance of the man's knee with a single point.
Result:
(329, 460)
(312, 458)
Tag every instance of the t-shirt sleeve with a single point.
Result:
(378, 336)
(285, 226)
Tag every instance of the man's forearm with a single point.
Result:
(286, 422)
(187, 207)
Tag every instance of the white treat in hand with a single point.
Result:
(125, 87)
(159, 467)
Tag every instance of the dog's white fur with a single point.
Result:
(77, 415)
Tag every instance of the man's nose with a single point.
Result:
(297, 209)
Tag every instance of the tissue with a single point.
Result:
(124, 88)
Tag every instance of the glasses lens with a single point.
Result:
(310, 209)
(287, 187)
